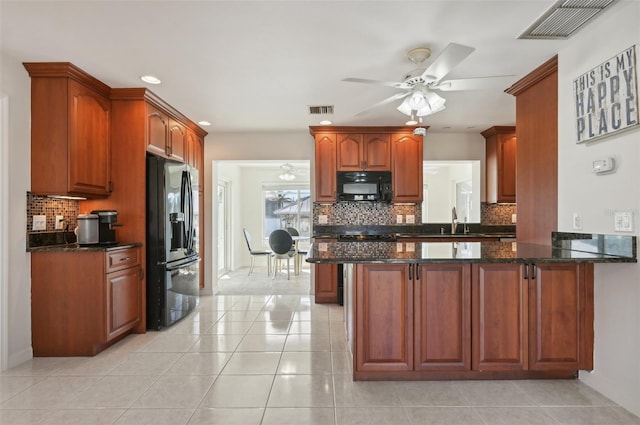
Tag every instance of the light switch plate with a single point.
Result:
(39, 222)
(576, 221)
(623, 221)
(399, 219)
(59, 222)
(514, 218)
(323, 219)
(411, 219)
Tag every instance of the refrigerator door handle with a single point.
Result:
(182, 265)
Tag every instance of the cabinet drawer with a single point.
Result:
(122, 259)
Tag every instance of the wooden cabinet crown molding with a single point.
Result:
(498, 129)
(313, 129)
(66, 70)
(534, 77)
(140, 93)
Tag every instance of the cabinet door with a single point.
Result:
(557, 309)
(506, 168)
(500, 327)
(157, 131)
(383, 318)
(194, 153)
(89, 141)
(349, 152)
(377, 152)
(325, 164)
(326, 283)
(406, 163)
(442, 317)
(177, 140)
(124, 305)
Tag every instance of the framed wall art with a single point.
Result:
(606, 98)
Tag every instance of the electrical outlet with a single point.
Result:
(411, 219)
(399, 219)
(623, 221)
(576, 222)
(323, 219)
(514, 218)
(59, 222)
(39, 222)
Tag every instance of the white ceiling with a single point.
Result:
(258, 65)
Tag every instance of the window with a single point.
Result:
(287, 207)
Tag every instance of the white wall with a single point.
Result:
(617, 287)
(15, 84)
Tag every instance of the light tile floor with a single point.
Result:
(269, 359)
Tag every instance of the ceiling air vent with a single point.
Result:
(564, 18)
(321, 110)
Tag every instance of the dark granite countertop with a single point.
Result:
(565, 247)
(74, 247)
(425, 230)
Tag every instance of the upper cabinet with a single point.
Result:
(70, 132)
(325, 164)
(194, 150)
(370, 152)
(501, 164)
(394, 149)
(537, 155)
(406, 170)
(165, 136)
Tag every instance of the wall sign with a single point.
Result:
(607, 97)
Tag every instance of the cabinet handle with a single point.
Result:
(526, 271)
(410, 271)
(417, 271)
(533, 271)
(125, 259)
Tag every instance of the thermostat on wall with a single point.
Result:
(604, 165)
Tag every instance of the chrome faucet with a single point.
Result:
(454, 220)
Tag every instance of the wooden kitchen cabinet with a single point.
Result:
(383, 325)
(537, 154)
(80, 312)
(442, 317)
(326, 283)
(371, 152)
(166, 137)
(325, 165)
(500, 317)
(70, 132)
(560, 316)
(406, 167)
(194, 151)
(461, 320)
(500, 142)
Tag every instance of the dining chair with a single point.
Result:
(300, 252)
(281, 244)
(255, 252)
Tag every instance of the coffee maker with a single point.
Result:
(107, 220)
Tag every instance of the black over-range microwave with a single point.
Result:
(364, 186)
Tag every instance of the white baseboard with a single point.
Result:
(625, 397)
(20, 357)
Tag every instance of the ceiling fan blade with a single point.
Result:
(396, 85)
(479, 83)
(384, 102)
(452, 55)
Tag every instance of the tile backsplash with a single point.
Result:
(365, 213)
(50, 207)
(377, 213)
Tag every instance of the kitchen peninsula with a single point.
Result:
(471, 310)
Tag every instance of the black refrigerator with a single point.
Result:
(172, 241)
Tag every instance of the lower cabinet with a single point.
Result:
(469, 320)
(326, 283)
(83, 301)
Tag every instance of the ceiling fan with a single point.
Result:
(288, 172)
(419, 85)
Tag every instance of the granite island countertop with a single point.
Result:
(564, 247)
(74, 247)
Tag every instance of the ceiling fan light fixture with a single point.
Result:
(421, 103)
(287, 176)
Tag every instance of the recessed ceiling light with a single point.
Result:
(326, 122)
(205, 123)
(150, 79)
